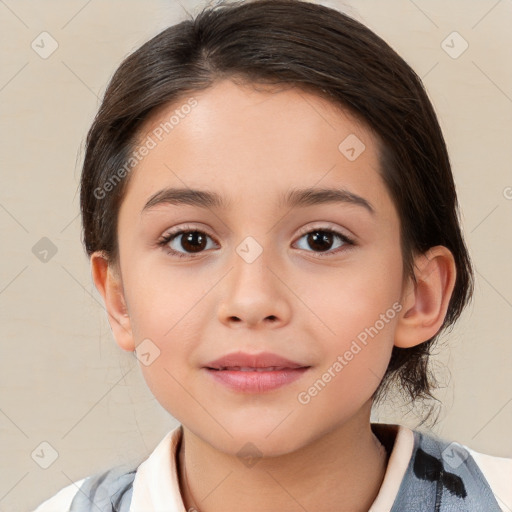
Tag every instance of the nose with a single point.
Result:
(254, 295)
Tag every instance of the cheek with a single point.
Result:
(165, 308)
(166, 332)
(343, 302)
(354, 358)
(341, 387)
(164, 301)
(355, 311)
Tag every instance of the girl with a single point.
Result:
(272, 222)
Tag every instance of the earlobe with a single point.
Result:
(425, 302)
(109, 284)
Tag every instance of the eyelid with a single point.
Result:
(302, 231)
(327, 225)
(186, 228)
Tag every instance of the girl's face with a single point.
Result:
(257, 278)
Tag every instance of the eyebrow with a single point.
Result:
(295, 198)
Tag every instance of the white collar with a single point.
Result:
(156, 486)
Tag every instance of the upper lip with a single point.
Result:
(246, 360)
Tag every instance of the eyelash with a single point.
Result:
(174, 234)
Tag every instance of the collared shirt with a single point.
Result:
(423, 474)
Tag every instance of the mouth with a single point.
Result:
(255, 369)
(244, 372)
(254, 380)
(245, 361)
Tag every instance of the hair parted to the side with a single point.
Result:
(320, 50)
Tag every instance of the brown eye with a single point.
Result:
(193, 241)
(185, 242)
(322, 240)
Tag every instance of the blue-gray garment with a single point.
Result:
(441, 477)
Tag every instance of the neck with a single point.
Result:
(345, 465)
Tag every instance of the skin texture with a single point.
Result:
(294, 300)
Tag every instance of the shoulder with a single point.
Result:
(61, 501)
(94, 492)
(114, 488)
(498, 473)
(465, 470)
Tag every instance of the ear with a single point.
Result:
(425, 302)
(107, 280)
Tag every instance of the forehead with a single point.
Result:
(254, 143)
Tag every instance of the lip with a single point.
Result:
(271, 371)
(247, 360)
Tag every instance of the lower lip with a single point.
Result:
(256, 382)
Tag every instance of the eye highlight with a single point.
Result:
(196, 241)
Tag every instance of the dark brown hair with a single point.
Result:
(323, 51)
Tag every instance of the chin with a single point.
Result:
(253, 440)
(250, 448)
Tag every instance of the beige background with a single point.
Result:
(63, 378)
